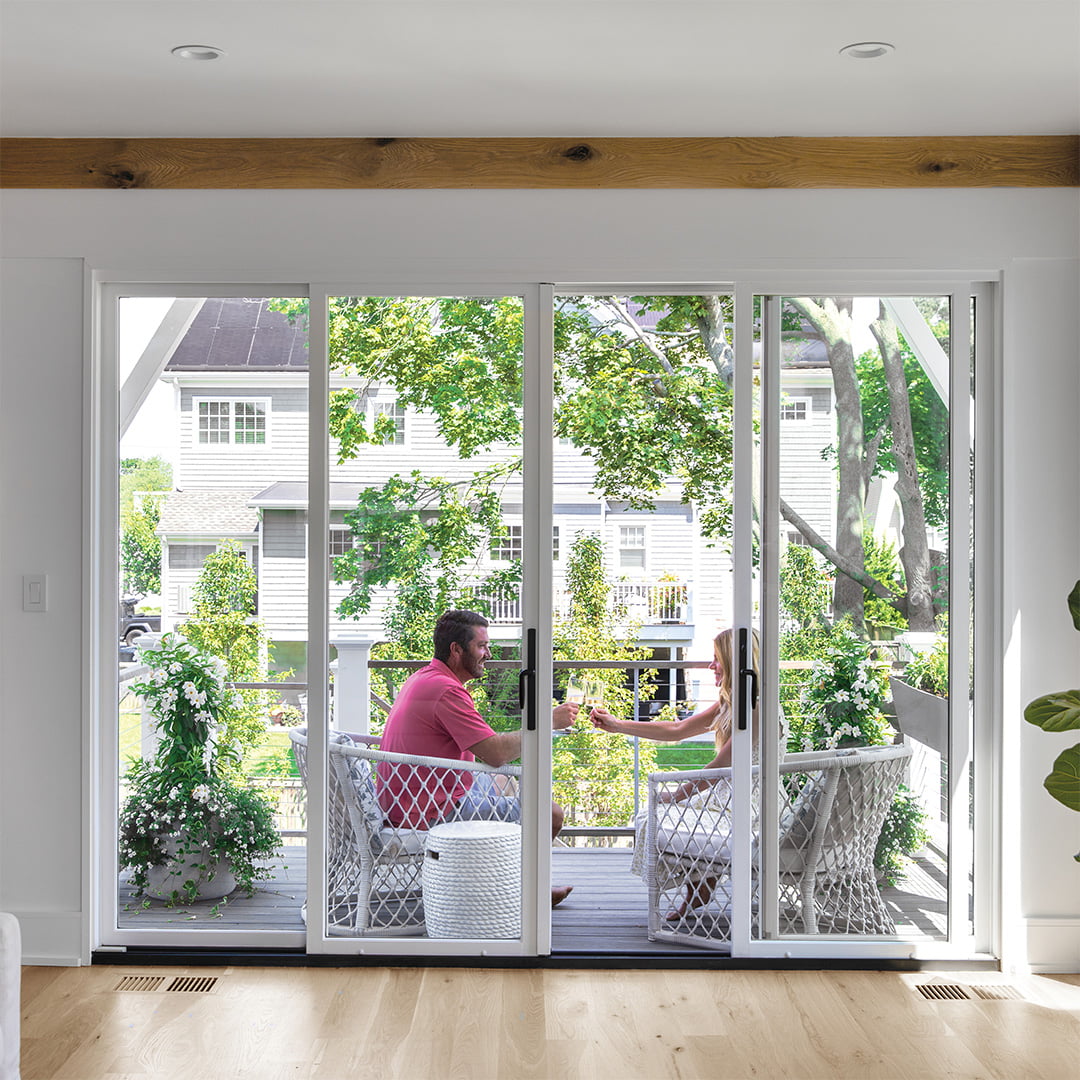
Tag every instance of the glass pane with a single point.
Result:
(426, 516)
(212, 628)
(863, 542)
(642, 446)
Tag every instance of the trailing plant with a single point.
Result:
(902, 835)
(929, 670)
(842, 698)
(1060, 711)
(189, 795)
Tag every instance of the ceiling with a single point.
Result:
(501, 68)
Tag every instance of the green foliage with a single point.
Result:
(189, 789)
(140, 548)
(593, 770)
(883, 563)
(1060, 711)
(902, 835)
(929, 670)
(222, 624)
(805, 600)
(929, 421)
(842, 699)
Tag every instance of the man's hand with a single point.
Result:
(563, 716)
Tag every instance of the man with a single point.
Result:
(434, 716)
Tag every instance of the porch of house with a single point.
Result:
(606, 915)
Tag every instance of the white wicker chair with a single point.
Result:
(373, 866)
(832, 807)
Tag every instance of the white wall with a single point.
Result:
(603, 237)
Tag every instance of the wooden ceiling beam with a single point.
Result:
(157, 164)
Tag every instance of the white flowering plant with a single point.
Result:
(843, 696)
(190, 799)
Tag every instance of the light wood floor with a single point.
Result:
(443, 1023)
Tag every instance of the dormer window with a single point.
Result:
(232, 421)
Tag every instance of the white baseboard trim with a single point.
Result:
(51, 939)
(1053, 945)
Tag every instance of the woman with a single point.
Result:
(716, 717)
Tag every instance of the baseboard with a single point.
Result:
(50, 939)
(1053, 945)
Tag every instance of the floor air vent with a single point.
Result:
(996, 993)
(193, 984)
(942, 991)
(140, 982)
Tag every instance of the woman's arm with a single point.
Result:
(657, 730)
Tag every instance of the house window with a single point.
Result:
(797, 539)
(795, 409)
(189, 556)
(340, 541)
(632, 547)
(554, 543)
(237, 422)
(396, 413)
(508, 545)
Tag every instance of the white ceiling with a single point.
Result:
(585, 68)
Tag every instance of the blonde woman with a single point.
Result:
(715, 717)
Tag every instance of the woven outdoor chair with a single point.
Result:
(832, 807)
(375, 843)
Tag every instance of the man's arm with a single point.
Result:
(499, 749)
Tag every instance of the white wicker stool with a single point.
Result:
(472, 880)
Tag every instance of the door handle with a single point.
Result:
(527, 681)
(746, 669)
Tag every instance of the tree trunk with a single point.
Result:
(832, 320)
(915, 551)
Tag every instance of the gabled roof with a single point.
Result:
(209, 512)
(238, 333)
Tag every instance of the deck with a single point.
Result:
(605, 915)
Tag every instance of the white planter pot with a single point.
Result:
(214, 879)
(921, 716)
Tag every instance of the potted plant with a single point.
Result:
(190, 827)
(920, 696)
(1060, 711)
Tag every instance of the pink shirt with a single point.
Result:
(432, 716)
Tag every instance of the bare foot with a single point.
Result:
(560, 893)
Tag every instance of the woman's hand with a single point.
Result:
(603, 720)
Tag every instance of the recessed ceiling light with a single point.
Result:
(198, 52)
(867, 50)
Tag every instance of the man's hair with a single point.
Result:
(456, 626)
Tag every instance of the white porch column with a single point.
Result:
(149, 736)
(352, 686)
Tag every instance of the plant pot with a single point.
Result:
(921, 716)
(213, 878)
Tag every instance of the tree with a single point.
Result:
(140, 546)
(222, 624)
(592, 770)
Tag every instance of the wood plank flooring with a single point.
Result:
(605, 914)
(490, 1024)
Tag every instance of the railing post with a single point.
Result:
(148, 724)
(352, 685)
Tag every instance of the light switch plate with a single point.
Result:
(35, 594)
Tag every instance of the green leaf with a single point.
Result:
(1059, 711)
(1074, 605)
(1064, 782)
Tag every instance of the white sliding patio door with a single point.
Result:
(425, 494)
(853, 543)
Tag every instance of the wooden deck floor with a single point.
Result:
(606, 913)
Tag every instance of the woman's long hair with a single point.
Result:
(724, 652)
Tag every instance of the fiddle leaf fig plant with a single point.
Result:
(1060, 711)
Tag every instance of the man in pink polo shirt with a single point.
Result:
(434, 715)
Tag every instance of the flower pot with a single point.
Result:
(213, 878)
(921, 716)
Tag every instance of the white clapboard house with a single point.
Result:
(240, 379)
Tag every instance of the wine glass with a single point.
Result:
(594, 695)
(575, 690)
